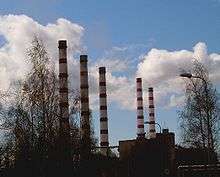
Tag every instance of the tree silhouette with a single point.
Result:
(200, 118)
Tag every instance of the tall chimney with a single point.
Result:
(85, 112)
(140, 114)
(63, 103)
(152, 131)
(104, 143)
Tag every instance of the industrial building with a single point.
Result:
(150, 154)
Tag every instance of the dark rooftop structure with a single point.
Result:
(144, 157)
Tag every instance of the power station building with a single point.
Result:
(150, 154)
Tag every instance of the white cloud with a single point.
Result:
(161, 69)
(120, 89)
(113, 65)
(158, 68)
(18, 32)
(176, 100)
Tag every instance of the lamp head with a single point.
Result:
(188, 75)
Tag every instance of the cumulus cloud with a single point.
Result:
(161, 69)
(18, 32)
(120, 89)
(158, 68)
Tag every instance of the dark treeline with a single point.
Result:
(30, 122)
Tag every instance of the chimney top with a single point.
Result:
(102, 70)
(166, 130)
(138, 79)
(83, 58)
(150, 89)
(62, 44)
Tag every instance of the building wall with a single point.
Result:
(147, 157)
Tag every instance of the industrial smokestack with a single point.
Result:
(63, 102)
(152, 131)
(85, 112)
(140, 113)
(104, 143)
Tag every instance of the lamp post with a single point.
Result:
(148, 122)
(189, 75)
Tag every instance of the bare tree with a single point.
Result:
(31, 116)
(200, 118)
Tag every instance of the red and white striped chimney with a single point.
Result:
(63, 101)
(85, 112)
(152, 131)
(104, 143)
(140, 113)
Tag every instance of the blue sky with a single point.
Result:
(138, 24)
(173, 24)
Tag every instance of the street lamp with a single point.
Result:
(189, 75)
(148, 122)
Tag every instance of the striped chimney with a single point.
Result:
(104, 143)
(85, 112)
(63, 101)
(152, 131)
(140, 113)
